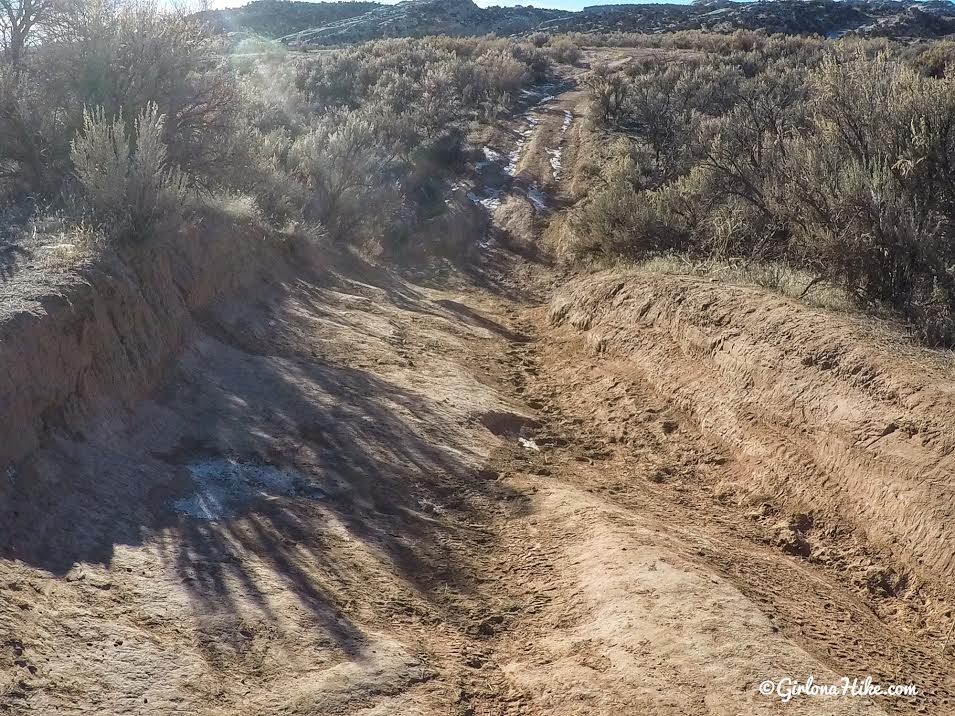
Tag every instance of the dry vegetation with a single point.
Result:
(126, 119)
(835, 159)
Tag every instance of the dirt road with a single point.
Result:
(368, 492)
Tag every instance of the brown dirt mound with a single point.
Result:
(104, 336)
(831, 419)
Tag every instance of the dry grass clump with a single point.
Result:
(775, 276)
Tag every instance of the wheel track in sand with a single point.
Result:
(661, 475)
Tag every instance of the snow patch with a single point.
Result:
(490, 201)
(492, 155)
(514, 157)
(529, 444)
(555, 161)
(224, 486)
(540, 91)
(537, 197)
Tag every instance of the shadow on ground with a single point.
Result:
(10, 257)
(386, 483)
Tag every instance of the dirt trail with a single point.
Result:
(370, 493)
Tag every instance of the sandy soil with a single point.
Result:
(360, 491)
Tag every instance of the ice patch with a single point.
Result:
(491, 155)
(513, 158)
(490, 201)
(537, 197)
(568, 118)
(555, 161)
(224, 486)
(541, 91)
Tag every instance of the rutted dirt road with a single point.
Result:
(367, 493)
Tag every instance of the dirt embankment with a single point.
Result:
(826, 417)
(288, 517)
(103, 337)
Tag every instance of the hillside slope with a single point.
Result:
(829, 18)
(415, 18)
(306, 24)
(276, 18)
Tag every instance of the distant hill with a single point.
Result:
(277, 18)
(830, 18)
(427, 17)
(326, 23)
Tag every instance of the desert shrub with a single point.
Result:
(140, 56)
(503, 72)
(121, 59)
(338, 162)
(127, 179)
(608, 91)
(621, 218)
(265, 173)
(101, 155)
(337, 142)
(875, 199)
(618, 220)
(518, 222)
(378, 124)
(661, 110)
(836, 158)
(27, 166)
(565, 52)
(933, 59)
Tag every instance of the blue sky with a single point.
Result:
(559, 4)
